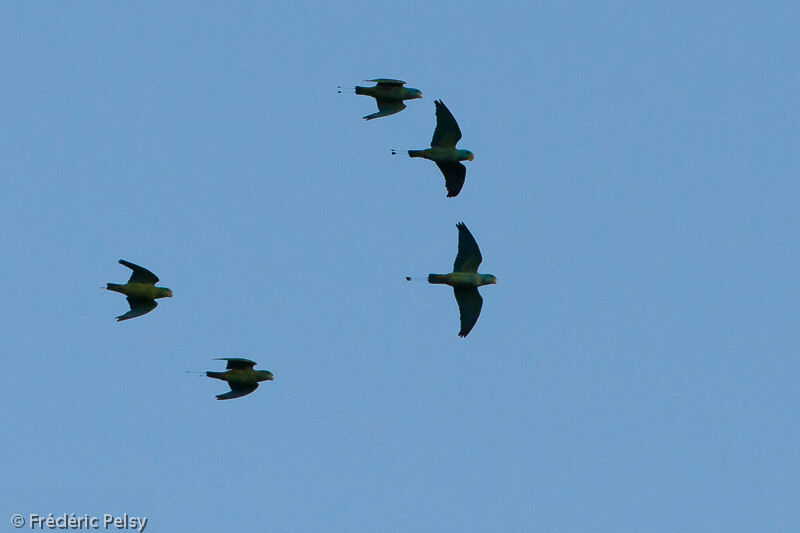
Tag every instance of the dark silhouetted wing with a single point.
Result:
(139, 307)
(454, 176)
(469, 307)
(237, 362)
(388, 82)
(140, 274)
(386, 108)
(447, 132)
(238, 390)
(469, 257)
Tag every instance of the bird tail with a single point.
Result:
(437, 279)
(116, 287)
(416, 153)
(217, 375)
(362, 90)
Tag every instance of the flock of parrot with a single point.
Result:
(141, 290)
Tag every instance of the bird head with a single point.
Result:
(267, 375)
(470, 156)
(165, 293)
(417, 93)
(488, 279)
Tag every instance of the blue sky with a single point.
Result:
(634, 190)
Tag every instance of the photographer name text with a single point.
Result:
(71, 521)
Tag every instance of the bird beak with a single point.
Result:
(471, 157)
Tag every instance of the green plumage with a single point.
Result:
(141, 291)
(241, 377)
(465, 279)
(389, 95)
(443, 150)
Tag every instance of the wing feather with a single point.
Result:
(469, 256)
(238, 390)
(454, 176)
(139, 307)
(388, 82)
(469, 308)
(139, 274)
(237, 362)
(386, 108)
(447, 132)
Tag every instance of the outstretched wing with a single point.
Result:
(237, 362)
(238, 390)
(454, 176)
(386, 108)
(388, 82)
(140, 274)
(447, 132)
(139, 307)
(469, 307)
(469, 257)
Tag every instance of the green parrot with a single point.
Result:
(465, 279)
(240, 376)
(443, 150)
(390, 95)
(141, 291)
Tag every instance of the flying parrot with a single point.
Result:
(443, 150)
(465, 279)
(240, 376)
(141, 291)
(389, 95)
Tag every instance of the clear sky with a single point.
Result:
(635, 190)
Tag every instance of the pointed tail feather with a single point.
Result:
(437, 278)
(116, 287)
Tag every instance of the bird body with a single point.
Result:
(241, 377)
(389, 95)
(141, 291)
(465, 279)
(390, 92)
(443, 150)
(443, 155)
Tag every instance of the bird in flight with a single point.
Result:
(240, 377)
(141, 291)
(465, 279)
(389, 95)
(443, 150)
